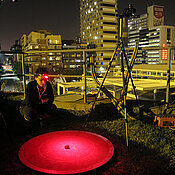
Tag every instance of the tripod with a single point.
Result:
(120, 46)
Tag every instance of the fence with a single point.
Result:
(143, 73)
(165, 74)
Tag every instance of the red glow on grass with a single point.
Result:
(66, 152)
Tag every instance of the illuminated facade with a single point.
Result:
(42, 40)
(56, 59)
(150, 31)
(161, 36)
(99, 26)
(72, 60)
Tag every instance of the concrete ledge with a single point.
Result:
(73, 106)
(72, 102)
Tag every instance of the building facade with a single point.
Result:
(42, 40)
(150, 31)
(73, 59)
(55, 55)
(99, 26)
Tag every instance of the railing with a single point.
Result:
(142, 73)
(165, 74)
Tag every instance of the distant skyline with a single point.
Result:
(58, 16)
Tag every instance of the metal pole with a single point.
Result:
(168, 78)
(85, 81)
(124, 99)
(124, 82)
(23, 73)
(121, 23)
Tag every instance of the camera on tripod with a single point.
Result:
(129, 12)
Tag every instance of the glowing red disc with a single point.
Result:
(66, 152)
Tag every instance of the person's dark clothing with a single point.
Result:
(33, 98)
(38, 101)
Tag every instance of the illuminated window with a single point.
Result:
(72, 66)
(58, 58)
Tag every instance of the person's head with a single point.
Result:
(41, 76)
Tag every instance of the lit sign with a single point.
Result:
(164, 53)
(158, 11)
(158, 18)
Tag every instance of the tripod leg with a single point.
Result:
(101, 85)
(130, 76)
(124, 95)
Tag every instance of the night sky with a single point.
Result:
(58, 16)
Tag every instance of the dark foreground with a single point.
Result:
(137, 160)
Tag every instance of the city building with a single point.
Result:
(42, 40)
(16, 48)
(99, 26)
(150, 31)
(72, 60)
(58, 58)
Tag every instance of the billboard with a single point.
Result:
(158, 18)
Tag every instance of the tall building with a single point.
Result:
(99, 26)
(150, 31)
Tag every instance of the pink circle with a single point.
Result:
(66, 152)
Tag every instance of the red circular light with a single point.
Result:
(66, 152)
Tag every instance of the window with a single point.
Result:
(168, 35)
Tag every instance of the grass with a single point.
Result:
(151, 149)
(160, 140)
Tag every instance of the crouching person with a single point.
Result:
(38, 102)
